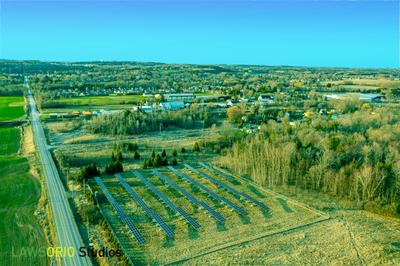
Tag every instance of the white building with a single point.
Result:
(179, 97)
(171, 106)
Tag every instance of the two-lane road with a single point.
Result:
(67, 232)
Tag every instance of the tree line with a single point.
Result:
(128, 123)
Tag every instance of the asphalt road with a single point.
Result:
(67, 232)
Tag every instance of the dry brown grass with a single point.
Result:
(28, 146)
(80, 139)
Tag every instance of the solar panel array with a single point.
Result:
(217, 172)
(168, 230)
(128, 221)
(210, 210)
(171, 205)
(228, 188)
(213, 195)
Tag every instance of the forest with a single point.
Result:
(356, 156)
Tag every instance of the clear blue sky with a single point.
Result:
(293, 32)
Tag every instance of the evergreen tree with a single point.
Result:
(183, 150)
(164, 161)
(120, 158)
(196, 147)
(144, 165)
(136, 155)
(157, 161)
(164, 153)
(174, 162)
(174, 153)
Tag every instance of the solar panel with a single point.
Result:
(168, 230)
(210, 210)
(171, 205)
(228, 188)
(128, 221)
(213, 195)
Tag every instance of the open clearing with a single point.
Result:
(212, 235)
(11, 107)
(9, 140)
(349, 237)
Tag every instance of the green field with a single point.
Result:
(20, 231)
(19, 228)
(9, 140)
(100, 100)
(11, 107)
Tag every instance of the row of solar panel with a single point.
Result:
(192, 199)
(217, 172)
(125, 219)
(212, 194)
(227, 187)
(164, 226)
(192, 221)
(171, 205)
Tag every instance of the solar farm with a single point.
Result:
(172, 214)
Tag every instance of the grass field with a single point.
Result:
(101, 100)
(366, 83)
(9, 140)
(349, 237)
(19, 229)
(11, 107)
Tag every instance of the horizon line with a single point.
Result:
(198, 64)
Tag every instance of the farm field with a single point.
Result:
(9, 141)
(363, 83)
(212, 235)
(19, 228)
(108, 100)
(101, 100)
(20, 231)
(11, 107)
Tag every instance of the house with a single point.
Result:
(232, 102)
(171, 106)
(179, 97)
(264, 99)
(144, 108)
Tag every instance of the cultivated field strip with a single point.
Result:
(188, 196)
(121, 212)
(228, 188)
(213, 195)
(171, 205)
(164, 226)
